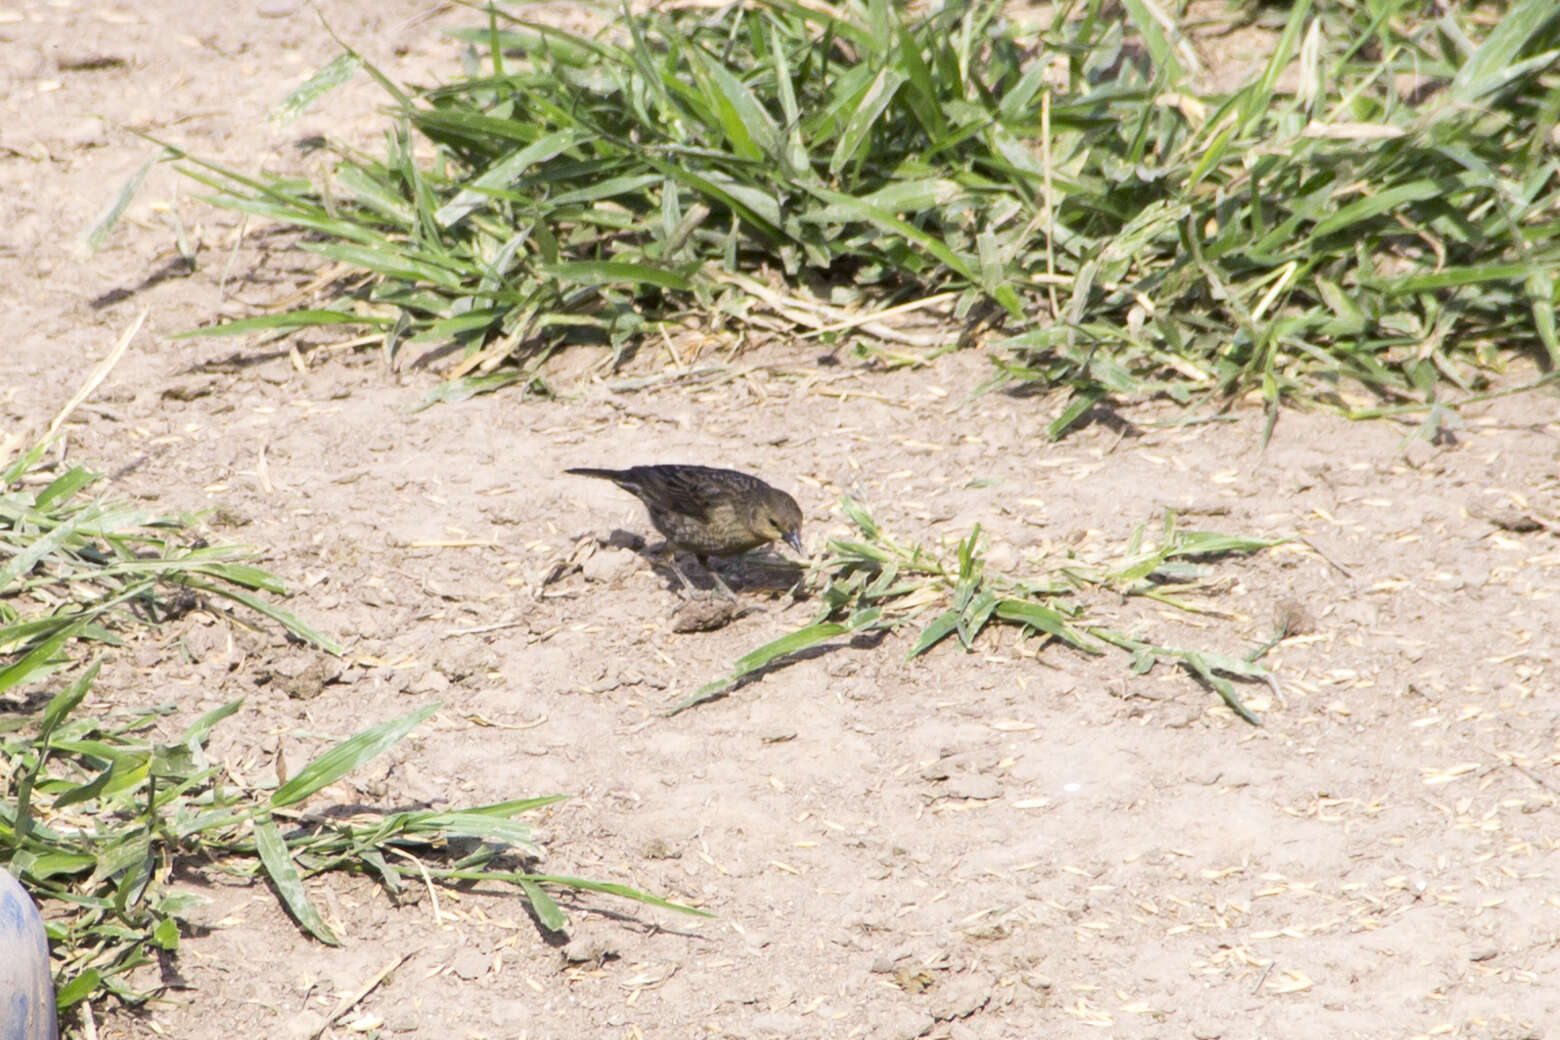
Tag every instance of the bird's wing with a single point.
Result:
(686, 489)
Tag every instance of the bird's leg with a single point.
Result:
(669, 557)
(725, 589)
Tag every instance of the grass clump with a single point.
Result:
(596, 188)
(1385, 222)
(1387, 225)
(878, 584)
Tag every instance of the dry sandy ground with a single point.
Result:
(1018, 842)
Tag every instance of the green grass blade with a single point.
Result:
(1488, 68)
(28, 558)
(59, 491)
(1540, 286)
(940, 628)
(547, 909)
(752, 133)
(347, 756)
(888, 222)
(1047, 620)
(333, 74)
(790, 643)
(283, 872)
(66, 701)
(453, 390)
(613, 889)
(482, 826)
(506, 172)
(1390, 200)
(41, 659)
(878, 96)
(201, 728)
(1213, 543)
(97, 233)
(607, 272)
(1157, 30)
(286, 618)
(1204, 670)
(79, 988)
(286, 320)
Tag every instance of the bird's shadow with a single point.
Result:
(759, 571)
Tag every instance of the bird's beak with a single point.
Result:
(794, 540)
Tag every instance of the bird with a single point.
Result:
(708, 511)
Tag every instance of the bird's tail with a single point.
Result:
(603, 474)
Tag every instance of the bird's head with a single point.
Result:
(779, 519)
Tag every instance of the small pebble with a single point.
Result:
(587, 947)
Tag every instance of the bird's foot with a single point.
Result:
(693, 592)
(725, 590)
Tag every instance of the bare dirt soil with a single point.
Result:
(1015, 842)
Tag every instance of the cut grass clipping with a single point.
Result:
(877, 583)
(1374, 236)
(99, 818)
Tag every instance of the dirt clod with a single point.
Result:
(705, 614)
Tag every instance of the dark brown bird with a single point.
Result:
(708, 511)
